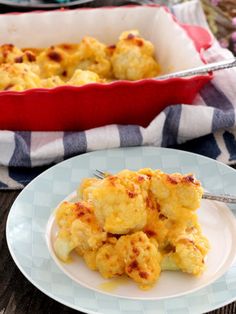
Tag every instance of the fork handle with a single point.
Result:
(226, 198)
(225, 64)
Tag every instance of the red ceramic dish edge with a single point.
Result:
(80, 108)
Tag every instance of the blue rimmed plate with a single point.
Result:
(29, 215)
(43, 4)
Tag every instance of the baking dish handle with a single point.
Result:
(200, 36)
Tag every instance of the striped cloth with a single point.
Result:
(208, 128)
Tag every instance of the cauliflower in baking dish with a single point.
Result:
(11, 54)
(92, 55)
(18, 76)
(136, 223)
(81, 77)
(89, 61)
(133, 57)
(51, 82)
(53, 61)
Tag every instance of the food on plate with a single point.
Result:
(78, 228)
(120, 202)
(136, 223)
(135, 255)
(90, 61)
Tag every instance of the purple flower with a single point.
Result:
(234, 21)
(224, 43)
(233, 37)
(215, 2)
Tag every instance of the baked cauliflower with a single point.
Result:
(135, 223)
(109, 262)
(81, 77)
(78, 228)
(134, 255)
(141, 258)
(51, 82)
(53, 62)
(18, 76)
(119, 203)
(133, 58)
(92, 56)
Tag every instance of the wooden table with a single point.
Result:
(17, 294)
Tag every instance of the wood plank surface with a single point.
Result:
(17, 294)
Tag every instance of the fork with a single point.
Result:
(225, 198)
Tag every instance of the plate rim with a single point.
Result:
(209, 306)
(44, 5)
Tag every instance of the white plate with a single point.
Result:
(213, 216)
(29, 215)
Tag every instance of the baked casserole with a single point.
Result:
(90, 61)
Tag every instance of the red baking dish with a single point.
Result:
(70, 108)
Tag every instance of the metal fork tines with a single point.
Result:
(225, 198)
(99, 174)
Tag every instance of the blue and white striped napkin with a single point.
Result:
(208, 128)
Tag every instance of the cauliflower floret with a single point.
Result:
(89, 257)
(108, 262)
(81, 77)
(188, 257)
(179, 196)
(189, 249)
(119, 203)
(63, 246)
(53, 62)
(141, 257)
(133, 58)
(18, 76)
(92, 56)
(135, 255)
(85, 237)
(78, 229)
(83, 190)
(51, 82)
(10, 54)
